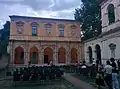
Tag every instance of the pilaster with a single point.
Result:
(68, 58)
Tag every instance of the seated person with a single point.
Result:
(8, 73)
(34, 76)
(42, 75)
(16, 75)
(50, 73)
(53, 72)
(26, 76)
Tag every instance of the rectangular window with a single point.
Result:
(61, 31)
(34, 31)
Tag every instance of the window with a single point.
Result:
(111, 14)
(34, 30)
(61, 29)
(20, 27)
(48, 27)
(34, 27)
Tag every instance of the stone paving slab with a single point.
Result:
(77, 83)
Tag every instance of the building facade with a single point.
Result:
(41, 40)
(106, 45)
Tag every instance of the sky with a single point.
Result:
(38, 8)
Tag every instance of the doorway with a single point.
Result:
(46, 59)
(48, 55)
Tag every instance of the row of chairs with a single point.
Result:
(37, 73)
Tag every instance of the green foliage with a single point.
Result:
(4, 38)
(89, 16)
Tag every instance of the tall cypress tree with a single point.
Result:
(89, 16)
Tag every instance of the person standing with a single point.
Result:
(114, 74)
(99, 77)
(108, 74)
(94, 61)
(84, 68)
(118, 62)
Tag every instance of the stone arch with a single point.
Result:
(34, 24)
(111, 13)
(90, 54)
(34, 55)
(19, 55)
(98, 52)
(48, 55)
(74, 55)
(61, 55)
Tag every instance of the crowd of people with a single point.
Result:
(104, 74)
(108, 74)
(36, 73)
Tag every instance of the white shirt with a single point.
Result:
(108, 69)
(94, 61)
(84, 66)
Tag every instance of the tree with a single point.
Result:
(89, 16)
(4, 38)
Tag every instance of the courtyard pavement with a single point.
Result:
(77, 82)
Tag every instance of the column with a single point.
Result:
(41, 56)
(117, 14)
(68, 56)
(79, 53)
(26, 54)
(25, 61)
(26, 57)
(11, 53)
(94, 54)
(87, 56)
(54, 57)
(55, 54)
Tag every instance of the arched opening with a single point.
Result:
(19, 56)
(61, 55)
(111, 14)
(98, 53)
(34, 55)
(74, 55)
(90, 54)
(48, 55)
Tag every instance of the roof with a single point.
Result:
(39, 18)
(111, 31)
(101, 1)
